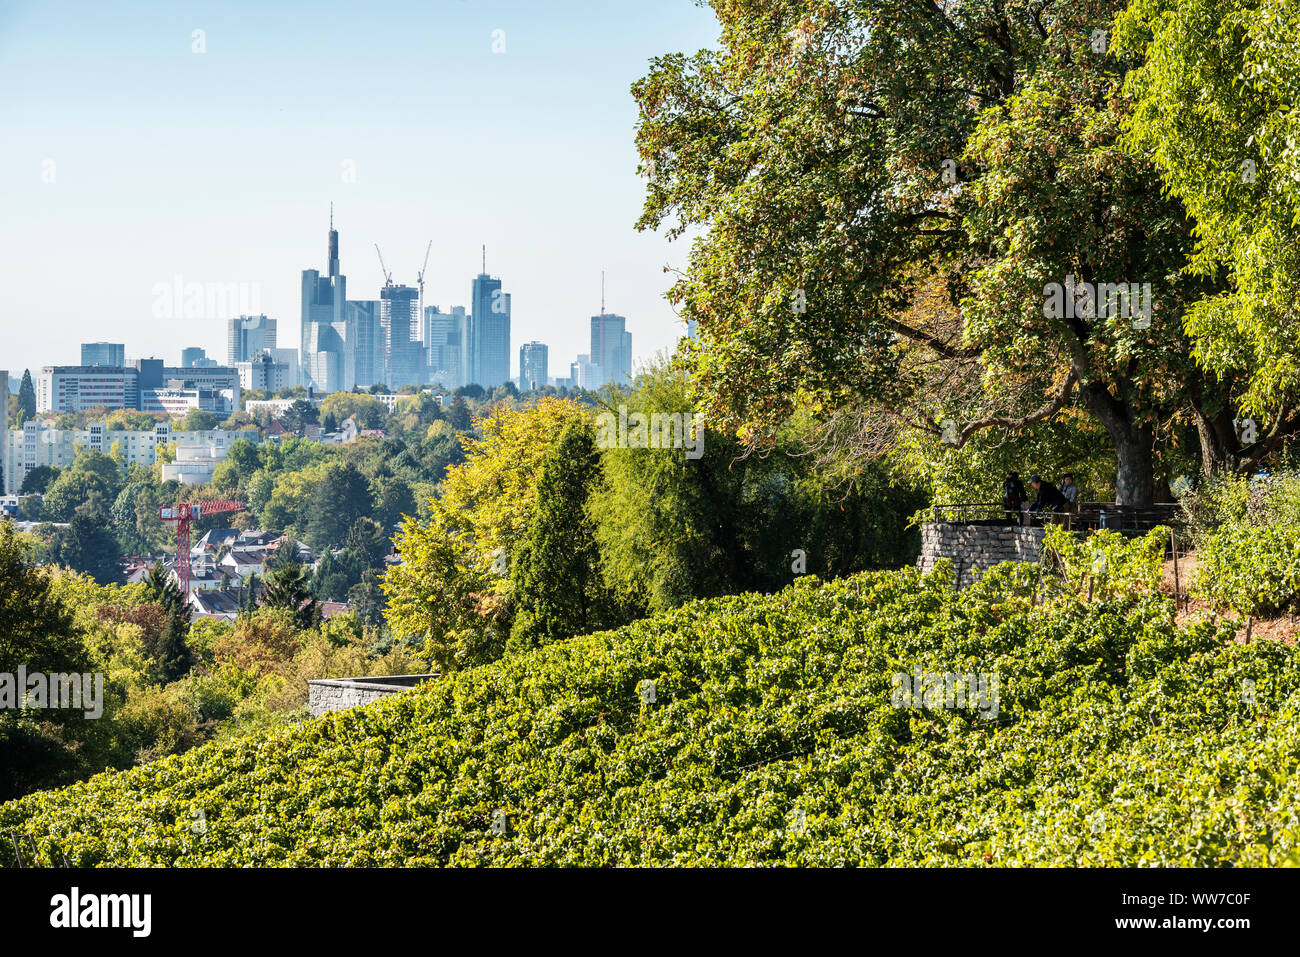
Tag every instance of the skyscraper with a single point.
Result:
(400, 323)
(365, 343)
(191, 356)
(611, 348)
(324, 323)
(489, 345)
(445, 335)
(532, 366)
(103, 354)
(247, 336)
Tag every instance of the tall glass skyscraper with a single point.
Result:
(398, 305)
(611, 348)
(489, 345)
(103, 354)
(324, 324)
(247, 336)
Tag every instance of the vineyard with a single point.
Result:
(760, 730)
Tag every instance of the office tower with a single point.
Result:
(103, 354)
(400, 324)
(4, 406)
(324, 323)
(247, 336)
(289, 359)
(489, 346)
(445, 335)
(532, 365)
(585, 374)
(611, 348)
(365, 344)
(192, 356)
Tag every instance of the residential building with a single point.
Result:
(36, 445)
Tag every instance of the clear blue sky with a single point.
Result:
(219, 167)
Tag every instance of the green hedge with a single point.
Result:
(1250, 569)
(772, 739)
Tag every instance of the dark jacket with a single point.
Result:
(1013, 492)
(1049, 499)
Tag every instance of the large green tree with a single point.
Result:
(27, 397)
(558, 587)
(1216, 112)
(893, 196)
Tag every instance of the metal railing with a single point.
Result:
(1081, 516)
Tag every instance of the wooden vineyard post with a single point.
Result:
(1178, 592)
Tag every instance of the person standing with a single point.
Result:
(1069, 489)
(1049, 498)
(1013, 496)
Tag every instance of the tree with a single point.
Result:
(370, 541)
(556, 579)
(38, 480)
(1215, 96)
(88, 545)
(452, 586)
(458, 414)
(172, 654)
(197, 420)
(879, 242)
(340, 497)
(298, 415)
(27, 398)
(289, 587)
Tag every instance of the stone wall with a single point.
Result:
(975, 548)
(336, 694)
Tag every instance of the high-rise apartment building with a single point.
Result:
(103, 354)
(532, 365)
(247, 336)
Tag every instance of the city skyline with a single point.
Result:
(529, 151)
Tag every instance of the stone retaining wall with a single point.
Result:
(336, 694)
(974, 549)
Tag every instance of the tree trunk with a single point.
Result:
(1134, 445)
(1135, 474)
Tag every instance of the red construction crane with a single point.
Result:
(183, 514)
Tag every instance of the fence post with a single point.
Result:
(1250, 624)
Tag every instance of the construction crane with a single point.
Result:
(183, 514)
(388, 276)
(420, 282)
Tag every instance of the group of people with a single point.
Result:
(1048, 498)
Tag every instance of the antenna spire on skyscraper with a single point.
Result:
(331, 217)
(602, 293)
(485, 259)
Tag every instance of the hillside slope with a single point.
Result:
(772, 738)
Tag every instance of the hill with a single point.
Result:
(772, 735)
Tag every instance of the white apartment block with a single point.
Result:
(35, 446)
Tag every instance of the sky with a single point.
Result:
(132, 162)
